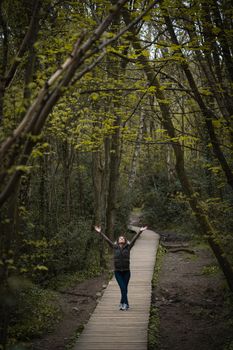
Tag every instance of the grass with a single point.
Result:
(74, 338)
(153, 327)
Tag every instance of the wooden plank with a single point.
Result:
(112, 329)
(111, 346)
(113, 339)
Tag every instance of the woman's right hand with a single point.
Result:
(97, 228)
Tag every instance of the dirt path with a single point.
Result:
(77, 304)
(190, 298)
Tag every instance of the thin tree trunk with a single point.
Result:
(113, 67)
(222, 38)
(212, 69)
(97, 177)
(207, 113)
(136, 150)
(67, 161)
(113, 178)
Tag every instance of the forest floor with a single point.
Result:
(77, 304)
(191, 297)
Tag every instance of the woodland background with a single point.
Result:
(106, 106)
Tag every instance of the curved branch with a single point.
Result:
(36, 116)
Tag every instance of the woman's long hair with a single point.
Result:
(124, 239)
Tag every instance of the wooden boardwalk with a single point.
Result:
(110, 328)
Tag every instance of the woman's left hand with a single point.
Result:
(98, 229)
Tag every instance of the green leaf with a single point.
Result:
(41, 268)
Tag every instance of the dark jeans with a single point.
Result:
(122, 278)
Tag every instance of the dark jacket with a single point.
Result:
(122, 255)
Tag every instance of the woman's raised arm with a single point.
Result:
(137, 235)
(98, 229)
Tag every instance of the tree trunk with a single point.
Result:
(113, 67)
(97, 177)
(136, 150)
(113, 178)
(67, 162)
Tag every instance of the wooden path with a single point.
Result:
(110, 328)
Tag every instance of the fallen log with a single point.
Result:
(172, 245)
(186, 250)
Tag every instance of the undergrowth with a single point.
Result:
(38, 312)
(70, 279)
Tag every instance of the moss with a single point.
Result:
(159, 259)
(153, 330)
(190, 257)
(210, 270)
(201, 244)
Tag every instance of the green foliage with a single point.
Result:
(35, 312)
(159, 260)
(153, 327)
(164, 204)
(66, 251)
(122, 213)
(229, 346)
(67, 280)
(70, 253)
(153, 330)
(34, 257)
(210, 270)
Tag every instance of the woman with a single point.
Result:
(122, 262)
